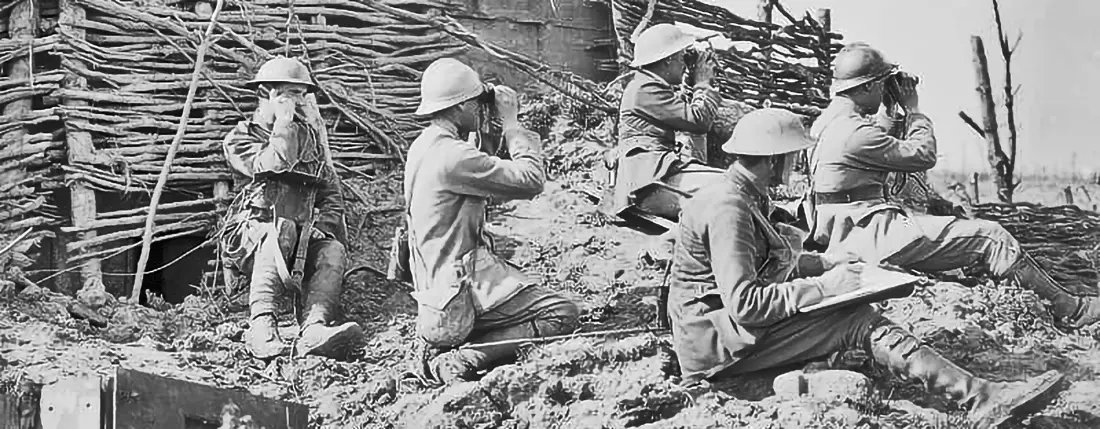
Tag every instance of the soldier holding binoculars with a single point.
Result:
(850, 210)
(468, 295)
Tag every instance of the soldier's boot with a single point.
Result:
(262, 337)
(1070, 309)
(319, 338)
(989, 403)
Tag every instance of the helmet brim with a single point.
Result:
(253, 84)
(842, 85)
(427, 108)
(774, 148)
(670, 51)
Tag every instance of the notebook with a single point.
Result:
(879, 283)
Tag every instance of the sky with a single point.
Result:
(1057, 67)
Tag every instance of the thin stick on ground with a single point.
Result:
(147, 238)
(540, 340)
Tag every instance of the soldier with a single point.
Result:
(287, 224)
(850, 164)
(468, 295)
(734, 311)
(650, 114)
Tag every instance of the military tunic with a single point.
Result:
(447, 184)
(733, 304)
(262, 228)
(650, 114)
(851, 162)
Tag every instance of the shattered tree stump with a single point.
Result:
(136, 400)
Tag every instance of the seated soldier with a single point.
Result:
(467, 294)
(288, 225)
(734, 311)
(650, 114)
(850, 209)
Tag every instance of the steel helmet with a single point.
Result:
(858, 63)
(659, 42)
(447, 82)
(767, 132)
(282, 70)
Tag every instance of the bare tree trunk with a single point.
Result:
(997, 157)
(1010, 100)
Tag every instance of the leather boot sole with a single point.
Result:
(1018, 399)
(337, 343)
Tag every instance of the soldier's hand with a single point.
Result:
(283, 108)
(830, 260)
(507, 105)
(703, 70)
(907, 93)
(842, 279)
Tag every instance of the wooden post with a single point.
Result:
(825, 18)
(974, 184)
(1068, 194)
(22, 26)
(80, 147)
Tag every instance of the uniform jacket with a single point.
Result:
(729, 275)
(853, 151)
(279, 201)
(650, 114)
(447, 183)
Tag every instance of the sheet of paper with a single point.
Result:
(875, 280)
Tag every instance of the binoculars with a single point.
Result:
(900, 76)
(488, 94)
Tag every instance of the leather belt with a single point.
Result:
(862, 193)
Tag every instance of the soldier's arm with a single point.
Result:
(661, 105)
(751, 301)
(871, 148)
(474, 172)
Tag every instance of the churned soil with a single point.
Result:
(997, 331)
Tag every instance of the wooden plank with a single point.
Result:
(71, 403)
(18, 409)
(147, 401)
(9, 411)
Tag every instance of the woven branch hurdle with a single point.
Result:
(98, 86)
(787, 66)
(136, 58)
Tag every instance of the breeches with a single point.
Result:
(931, 244)
(535, 312)
(804, 337)
(665, 203)
(962, 243)
(326, 261)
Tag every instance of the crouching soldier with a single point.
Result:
(466, 294)
(648, 157)
(733, 310)
(287, 224)
(851, 163)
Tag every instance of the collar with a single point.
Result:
(745, 179)
(654, 76)
(448, 128)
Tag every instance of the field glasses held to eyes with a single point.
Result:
(488, 95)
(900, 76)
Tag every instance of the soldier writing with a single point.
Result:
(735, 308)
